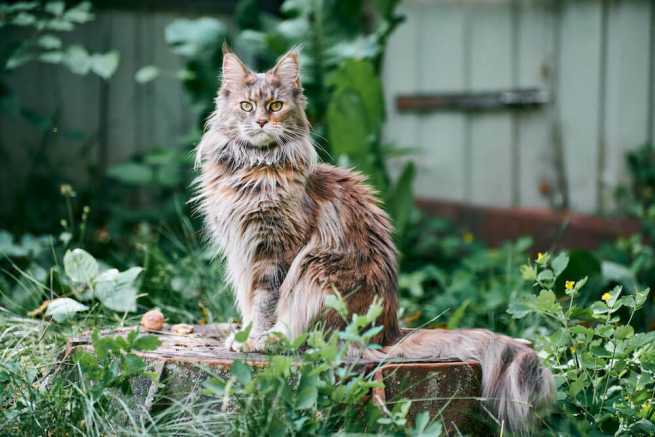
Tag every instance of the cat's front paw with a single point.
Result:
(232, 344)
(252, 344)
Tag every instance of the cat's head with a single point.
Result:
(262, 110)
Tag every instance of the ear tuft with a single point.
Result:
(287, 69)
(234, 70)
(226, 48)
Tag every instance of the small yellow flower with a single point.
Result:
(540, 257)
(573, 349)
(606, 296)
(468, 237)
(569, 285)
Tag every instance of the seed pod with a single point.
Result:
(182, 329)
(153, 320)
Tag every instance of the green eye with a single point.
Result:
(275, 106)
(246, 106)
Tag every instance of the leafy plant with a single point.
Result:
(33, 32)
(604, 369)
(112, 364)
(315, 391)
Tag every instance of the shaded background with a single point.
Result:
(581, 73)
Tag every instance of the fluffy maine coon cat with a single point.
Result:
(293, 231)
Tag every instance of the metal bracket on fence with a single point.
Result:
(473, 101)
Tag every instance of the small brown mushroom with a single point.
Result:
(153, 320)
(182, 329)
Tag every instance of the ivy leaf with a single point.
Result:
(80, 266)
(64, 308)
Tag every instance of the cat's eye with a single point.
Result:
(247, 106)
(275, 106)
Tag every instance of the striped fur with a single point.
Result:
(292, 231)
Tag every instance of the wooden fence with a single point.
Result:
(593, 59)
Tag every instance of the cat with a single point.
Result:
(294, 231)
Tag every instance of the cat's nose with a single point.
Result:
(262, 122)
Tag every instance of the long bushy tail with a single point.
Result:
(515, 385)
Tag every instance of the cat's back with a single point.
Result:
(345, 197)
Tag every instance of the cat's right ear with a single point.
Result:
(234, 70)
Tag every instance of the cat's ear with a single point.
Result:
(287, 68)
(234, 70)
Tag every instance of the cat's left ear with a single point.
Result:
(287, 68)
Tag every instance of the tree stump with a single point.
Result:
(449, 390)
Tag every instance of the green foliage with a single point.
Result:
(39, 40)
(465, 286)
(605, 370)
(317, 390)
(32, 32)
(112, 364)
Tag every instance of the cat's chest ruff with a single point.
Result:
(257, 199)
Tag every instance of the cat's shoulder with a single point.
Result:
(338, 175)
(329, 181)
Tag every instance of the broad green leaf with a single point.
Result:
(241, 372)
(146, 343)
(623, 332)
(117, 290)
(55, 8)
(458, 314)
(547, 302)
(104, 65)
(52, 57)
(49, 42)
(400, 200)
(243, 334)
(80, 13)
(146, 74)
(64, 308)
(307, 397)
(641, 296)
(519, 309)
(195, 38)
(80, 266)
(559, 263)
(545, 276)
(77, 59)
